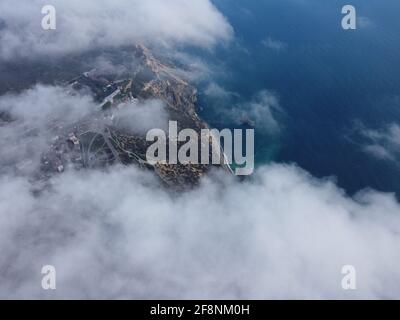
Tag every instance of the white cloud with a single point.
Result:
(116, 234)
(100, 23)
(36, 113)
(192, 68)
(261, 111)
(140, 117)
(383, 144)
(41, 104)
(273, 44)
(214, 90)
(364, 22)
(379, 152)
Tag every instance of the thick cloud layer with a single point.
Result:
(119, 234)
(83, 25)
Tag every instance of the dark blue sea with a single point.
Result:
(331, 83)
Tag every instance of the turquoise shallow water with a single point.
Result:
(328, 82)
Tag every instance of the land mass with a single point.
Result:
(98, 140)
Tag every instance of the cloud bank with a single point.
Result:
(101, 23)
(116, 234)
